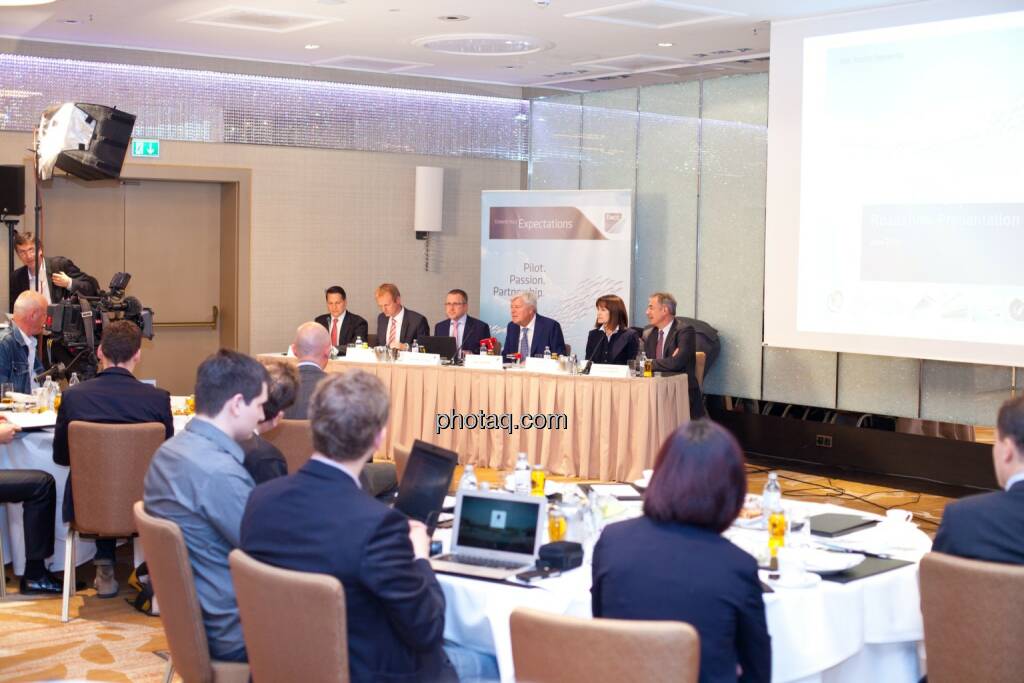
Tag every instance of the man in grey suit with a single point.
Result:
(672, 345)
(397, 326)
(312, 348)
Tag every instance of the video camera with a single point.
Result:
(77, 323)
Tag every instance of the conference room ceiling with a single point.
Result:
(563, 44)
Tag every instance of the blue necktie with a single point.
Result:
(524, 347)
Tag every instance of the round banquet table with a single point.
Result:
(865, 630)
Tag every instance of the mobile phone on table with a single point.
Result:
(534, 574)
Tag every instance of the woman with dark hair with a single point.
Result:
(673, 563)
(611, 341)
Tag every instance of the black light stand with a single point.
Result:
(11, 224)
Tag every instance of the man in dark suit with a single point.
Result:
(343, 326)
(467, 330)
(990, 526)
(318, 520)
(312, 348)
(114, 396)
(672, 345)
(530, 333)
(63, 278)
(397, 326)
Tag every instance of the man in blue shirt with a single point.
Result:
(198, 481)
(19, 356)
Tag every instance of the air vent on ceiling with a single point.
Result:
(253, 19)
(358, 63)
(635, 63)
(657, 14)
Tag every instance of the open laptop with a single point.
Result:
(442, 346)
(494, 536)
(425, 482)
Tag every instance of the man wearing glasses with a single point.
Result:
(467, 330)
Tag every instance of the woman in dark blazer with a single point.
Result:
(612, 341)
(673, 563)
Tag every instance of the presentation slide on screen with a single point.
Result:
(911, 190)
(568, 247)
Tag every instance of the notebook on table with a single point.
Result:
(494, 535)
(832, 524)
(442, 346)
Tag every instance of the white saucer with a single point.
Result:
(806, 580)
(641, 483)
(824, 562)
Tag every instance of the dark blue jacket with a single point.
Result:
(317, 520)
(619, 350)
(988, 527)
(546, 333)
(14, 361)
(471, 336)
(652, 570)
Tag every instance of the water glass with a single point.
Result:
(5, 389)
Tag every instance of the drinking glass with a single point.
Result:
(557, 524)
(5, 389)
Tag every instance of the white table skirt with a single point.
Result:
(34, 451)
(832, 633)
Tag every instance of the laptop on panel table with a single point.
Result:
(494, 535)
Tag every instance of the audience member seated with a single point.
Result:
(612, 341)
(397, 326)
(197, 480)
(343, 326)
(672, 346)
(673, 563)
(312, 348)
(529, 333)
(37, 492)
(20, 360)
(467, 330)
(990, 526)
(318, 520)
(263, 460)
(113, 396)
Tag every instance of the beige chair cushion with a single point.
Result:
(174, 586)
(294, 622)
(550, 648)
(108, 466)
(702, 359)
(973, 621)
(294, 439)
(401, 453)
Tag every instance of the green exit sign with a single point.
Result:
(146, 149)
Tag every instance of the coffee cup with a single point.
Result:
(899, 516)
(791, 565)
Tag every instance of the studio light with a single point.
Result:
(88, 141)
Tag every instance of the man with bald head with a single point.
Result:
(312, 348)
(20, 360)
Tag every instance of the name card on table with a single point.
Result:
(608, 370)
(473, 360)
(548, 365)
(358, 354)
(410, 358)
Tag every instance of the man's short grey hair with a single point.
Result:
(28, 301)
(346, 412)
(666, 299)
(528, 298)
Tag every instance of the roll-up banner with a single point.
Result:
(568, 247)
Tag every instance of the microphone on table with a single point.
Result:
(57, 369)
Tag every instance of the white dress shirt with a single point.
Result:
(528, 332)
(31, 343)
(399, 317)
(338, 465)
(42, 276)
(1014, 479)
(340, 321)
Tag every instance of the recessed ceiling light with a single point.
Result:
(23, 3)
(483, 44)
(664, 44)
(71, 21)
(453, 17)
(312, 46)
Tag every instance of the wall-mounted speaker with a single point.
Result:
(429, 200)
(12, 190)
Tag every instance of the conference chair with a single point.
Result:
(108, 466)
(175, 589)
(401, 453)
(551, 648)
(973, 625)
(371, 339)
(293, 622)
(294, 438)
(702, 359)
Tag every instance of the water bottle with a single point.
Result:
(49, 392)
(358, 343)
(483, 348)
(771, 504)
(415, 346)
(641, 363)
(522, 475)
(74, 379)
(547, 353)
(467, 482)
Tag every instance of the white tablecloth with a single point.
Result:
(865, 630)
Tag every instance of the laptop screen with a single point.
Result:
(427, 477)
(496, 524)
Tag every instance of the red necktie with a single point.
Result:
(334, 331)
(660, 351)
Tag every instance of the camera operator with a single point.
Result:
(62, 276)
